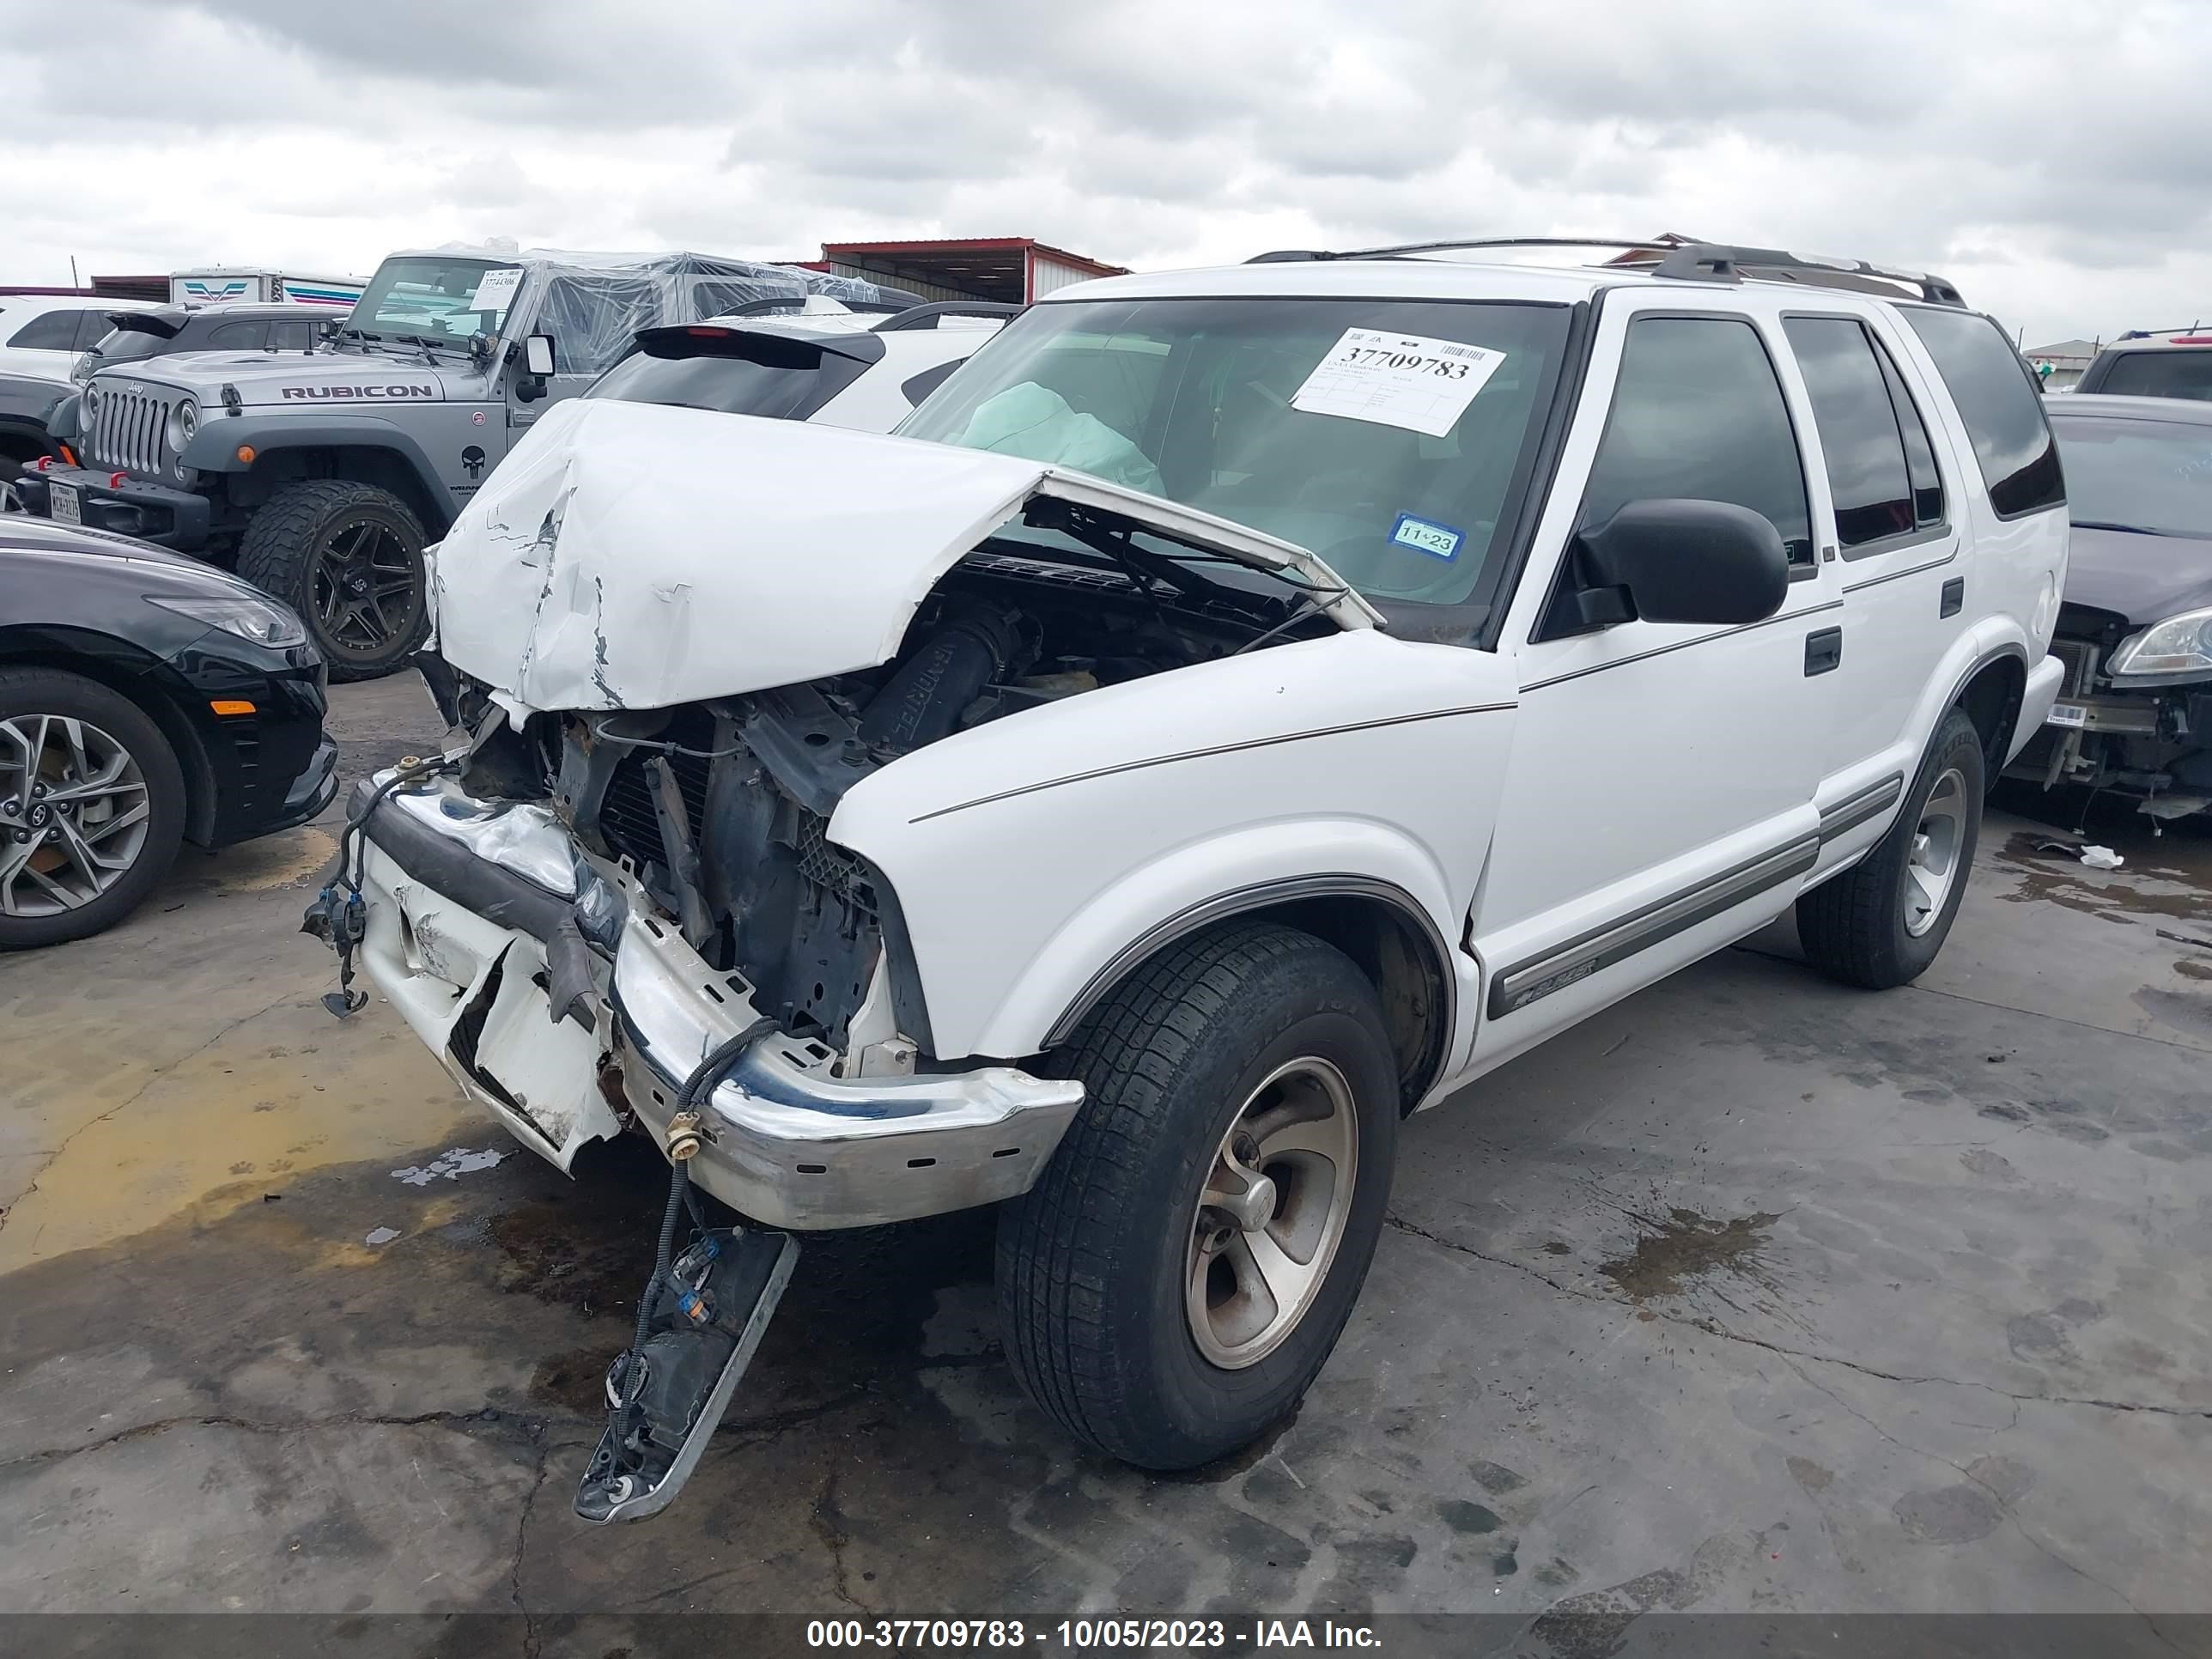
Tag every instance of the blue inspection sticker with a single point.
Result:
(1439, 541)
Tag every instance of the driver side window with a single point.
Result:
(1698, 413)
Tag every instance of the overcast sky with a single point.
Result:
(2046, 155)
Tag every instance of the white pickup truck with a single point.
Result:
(1272, 698)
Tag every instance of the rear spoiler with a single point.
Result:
(148, 322)
(773, 348)
(926, 316)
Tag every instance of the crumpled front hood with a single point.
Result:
(633, 556)
(297, 379)
(2145, 579)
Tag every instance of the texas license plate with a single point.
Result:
(67, 508)
(2069, 714)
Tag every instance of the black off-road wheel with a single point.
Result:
(1881, 923)
(1177, 1277)
(92, 807)
(348, 558)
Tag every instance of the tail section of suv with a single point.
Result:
(320, 475)
(2170, 366)
(1276, 697)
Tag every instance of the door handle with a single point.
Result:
(1955, 597)
(1823, 650)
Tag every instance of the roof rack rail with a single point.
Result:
(1701, 261)
(926, 316)
(1715, 262)
(1281, 256)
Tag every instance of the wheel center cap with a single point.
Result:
(1255, 1206)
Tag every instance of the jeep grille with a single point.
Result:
(128, 431)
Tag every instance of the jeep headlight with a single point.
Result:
(2180, 647)
(87, 404)
(184, 421)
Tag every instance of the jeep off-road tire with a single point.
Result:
(348, 558)
(1112, 1271)
(1881, 922)
(92, 807)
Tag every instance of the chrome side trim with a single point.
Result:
(1846, 814)
(1538, 977)
(1259, 897)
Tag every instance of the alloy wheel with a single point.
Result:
(1932, 864)
(364, 587)
(74, 813)
(1268, 1223)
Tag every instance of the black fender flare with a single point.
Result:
(214, 446)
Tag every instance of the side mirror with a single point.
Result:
(1675, 561)
(537, 355)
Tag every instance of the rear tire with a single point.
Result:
(73, 861)
(1881, 923)
(348, 558)
(1133, 1313)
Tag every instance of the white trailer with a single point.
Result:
(220, 283)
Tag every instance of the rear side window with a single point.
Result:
(237, 336)
(1698, 413)
(53, 331)
(2001, 405)
(92, 328)
(1919, 452)
(1882, 470)
(293, 337)
(2186, 373)
(1857, 424)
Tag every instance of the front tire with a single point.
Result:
(1179, 1274)
(348, 558)
(1881, 923)
(92, 807)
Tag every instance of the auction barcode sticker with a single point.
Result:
(1397, 380)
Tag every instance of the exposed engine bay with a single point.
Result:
(719, 809)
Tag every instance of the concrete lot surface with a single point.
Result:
(1752, 1293)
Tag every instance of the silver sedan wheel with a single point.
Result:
(74, 813)
(1268, 1224)
(1932, 867)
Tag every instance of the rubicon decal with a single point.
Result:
(397, 389)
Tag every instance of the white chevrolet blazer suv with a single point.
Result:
(1238, 708)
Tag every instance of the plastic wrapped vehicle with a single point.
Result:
(321, 475)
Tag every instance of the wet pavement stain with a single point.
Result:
(2179, 890)
(1687, 1246)
(1468, 1519)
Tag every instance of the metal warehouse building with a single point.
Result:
(1015, 269)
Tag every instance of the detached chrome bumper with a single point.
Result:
(458, 941)
(791, 1146)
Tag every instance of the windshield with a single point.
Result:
(435, 298)
(1389, 437)
(2138, 475)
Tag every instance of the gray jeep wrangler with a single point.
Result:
(319, 476)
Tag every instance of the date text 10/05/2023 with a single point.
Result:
(1085, 1634)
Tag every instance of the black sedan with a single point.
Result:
(146, 700)
(2135, 714)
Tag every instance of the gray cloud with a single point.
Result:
(2046, 151)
